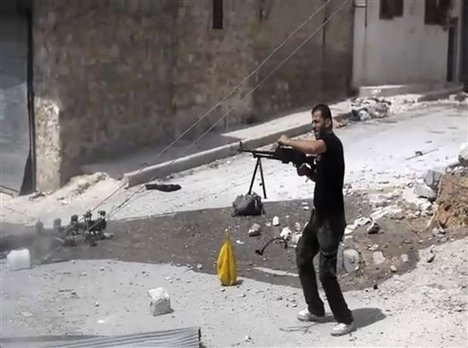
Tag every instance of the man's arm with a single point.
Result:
(310, 147)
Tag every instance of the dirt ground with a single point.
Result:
(193, 239)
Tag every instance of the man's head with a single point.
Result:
(322, 121)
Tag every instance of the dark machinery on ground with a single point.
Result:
(87, 231)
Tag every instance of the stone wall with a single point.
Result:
(113, 76)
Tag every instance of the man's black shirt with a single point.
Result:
(328, 195)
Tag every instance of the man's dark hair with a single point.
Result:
(324, 111)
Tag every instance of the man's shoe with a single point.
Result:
(341, 329)
(305, 315)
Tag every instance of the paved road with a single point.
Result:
(423, 308)
(376, 153)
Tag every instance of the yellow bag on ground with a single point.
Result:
(227, 267)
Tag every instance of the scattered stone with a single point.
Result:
(374, 228)
(254, 230)
(275, 221)
(375, 286)
(378, 257)
(393, 268)
(305, 207)
(286, 233)
(102, 269)
(96, 304)
(388, 211)
(404, 258)
(268, 224)
(160, 301)
(437, 232)
(351, 260)
(298, 227)
(433, 176)
(199, 266)
(279, 298)
(26, 314)
(373, 247)
(430, 258)
(248, 338)
(83, 274)
(423, 190)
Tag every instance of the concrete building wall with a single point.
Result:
(402, 50)
(114, 76)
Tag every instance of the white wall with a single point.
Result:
(402, 50)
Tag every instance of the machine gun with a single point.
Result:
(280, 153)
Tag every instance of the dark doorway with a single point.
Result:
(16, 116)
(464, 45)
(452, 53)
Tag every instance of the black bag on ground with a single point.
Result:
(249, 204)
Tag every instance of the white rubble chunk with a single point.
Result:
(254, 230)
(433, 176)
(295, 238)
(390, 211)
(18, 259)
(378, 257)
(286, 233)
(160, 301)
(423, 190)
(413, 201)
(351, 260)
(275, 221)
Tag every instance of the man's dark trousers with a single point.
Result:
(322, 234)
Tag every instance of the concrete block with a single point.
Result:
(160, 301)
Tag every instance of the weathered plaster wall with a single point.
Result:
(123, 74)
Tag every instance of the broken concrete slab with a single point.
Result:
(413, 201)
(389, 211)
(425, 191)
(432, 177)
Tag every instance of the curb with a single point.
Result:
(440, 94)
(161, 170)
(184, 163)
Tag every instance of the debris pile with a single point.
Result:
(364, 109)
(452, 201)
